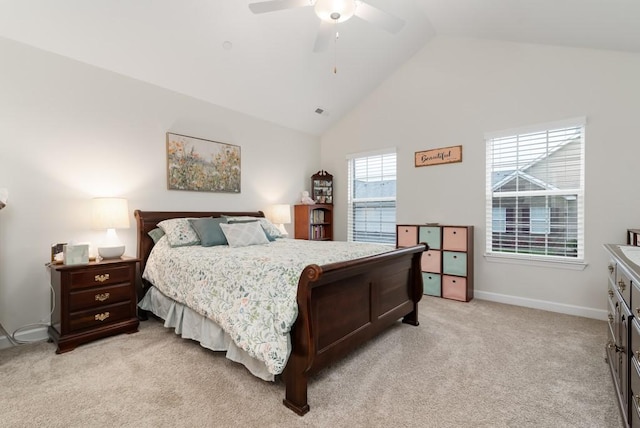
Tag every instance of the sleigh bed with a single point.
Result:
(339, 305)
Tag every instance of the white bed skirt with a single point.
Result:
(191, 325)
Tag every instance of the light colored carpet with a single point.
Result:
(476, 364)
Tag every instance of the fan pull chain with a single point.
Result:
(335, 48)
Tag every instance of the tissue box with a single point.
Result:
(76, 254)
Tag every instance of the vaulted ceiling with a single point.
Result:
(264, 65)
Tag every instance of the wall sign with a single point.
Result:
(439, 156)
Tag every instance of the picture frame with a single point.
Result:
(76, 254)
(197, 164)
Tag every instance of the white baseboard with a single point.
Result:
(599, 314)
(37, 334)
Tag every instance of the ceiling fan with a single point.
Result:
(334, 12)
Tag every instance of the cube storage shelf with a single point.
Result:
(447, 267)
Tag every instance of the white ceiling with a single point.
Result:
(271, 71)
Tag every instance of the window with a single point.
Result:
(539, 220)
(535, 192)
(372, 197)
(499, 220)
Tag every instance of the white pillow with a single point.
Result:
(271, 229)
(244, 234)
(179, 232)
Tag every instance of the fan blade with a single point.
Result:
(274, 5)
(379, 17)
(323, 38)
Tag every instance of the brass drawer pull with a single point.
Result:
(610, 318)
(101, 317)
(610, 268)
(102, 297)
(621, 285)
(101, 278)
(610, 293)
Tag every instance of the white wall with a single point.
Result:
(70, 132)
(455, 90)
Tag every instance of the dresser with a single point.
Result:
(92, 301)
(623, 343)
(447, 267)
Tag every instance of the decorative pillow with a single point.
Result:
(270, 229)
(244, 234)
(208, 230)
(179, 232)
(156, 234)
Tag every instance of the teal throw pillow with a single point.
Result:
(209, 231)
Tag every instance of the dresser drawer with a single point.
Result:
(430, 235)
(432, 284)
(99, 296)
(623, 284)
(612, 356)
(454, 287)
(635, 300)
(100, 276)
(100, 316)
(612, 303)
(612, 270)
(634, 411)
(431, 261)
(407, 236)
(454, 263)
(454, 238)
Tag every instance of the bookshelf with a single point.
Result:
(314, 222)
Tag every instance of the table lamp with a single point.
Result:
(280, 215)
(110, 214)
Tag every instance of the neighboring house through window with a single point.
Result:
(372, 197)
(535, 192)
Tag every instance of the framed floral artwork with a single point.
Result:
(202, 165)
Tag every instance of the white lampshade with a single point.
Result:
(335, 10)
(280, 215)
(110, 214)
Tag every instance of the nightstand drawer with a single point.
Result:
(102, 276)
(99, 316)
(99, 296)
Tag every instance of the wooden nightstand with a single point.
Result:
(93, 301)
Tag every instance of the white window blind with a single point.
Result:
(535, 192)
(372, 197)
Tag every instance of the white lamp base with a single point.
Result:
(111, 252)
(282, 229)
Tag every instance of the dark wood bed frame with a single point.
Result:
(340, 305)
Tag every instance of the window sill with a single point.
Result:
(524, 260)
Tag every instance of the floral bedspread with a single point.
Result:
(249, 291)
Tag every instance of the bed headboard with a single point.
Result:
(148, 220)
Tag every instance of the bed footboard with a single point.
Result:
(342, 305)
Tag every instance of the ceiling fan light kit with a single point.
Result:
(335, 10)
(332, 12)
